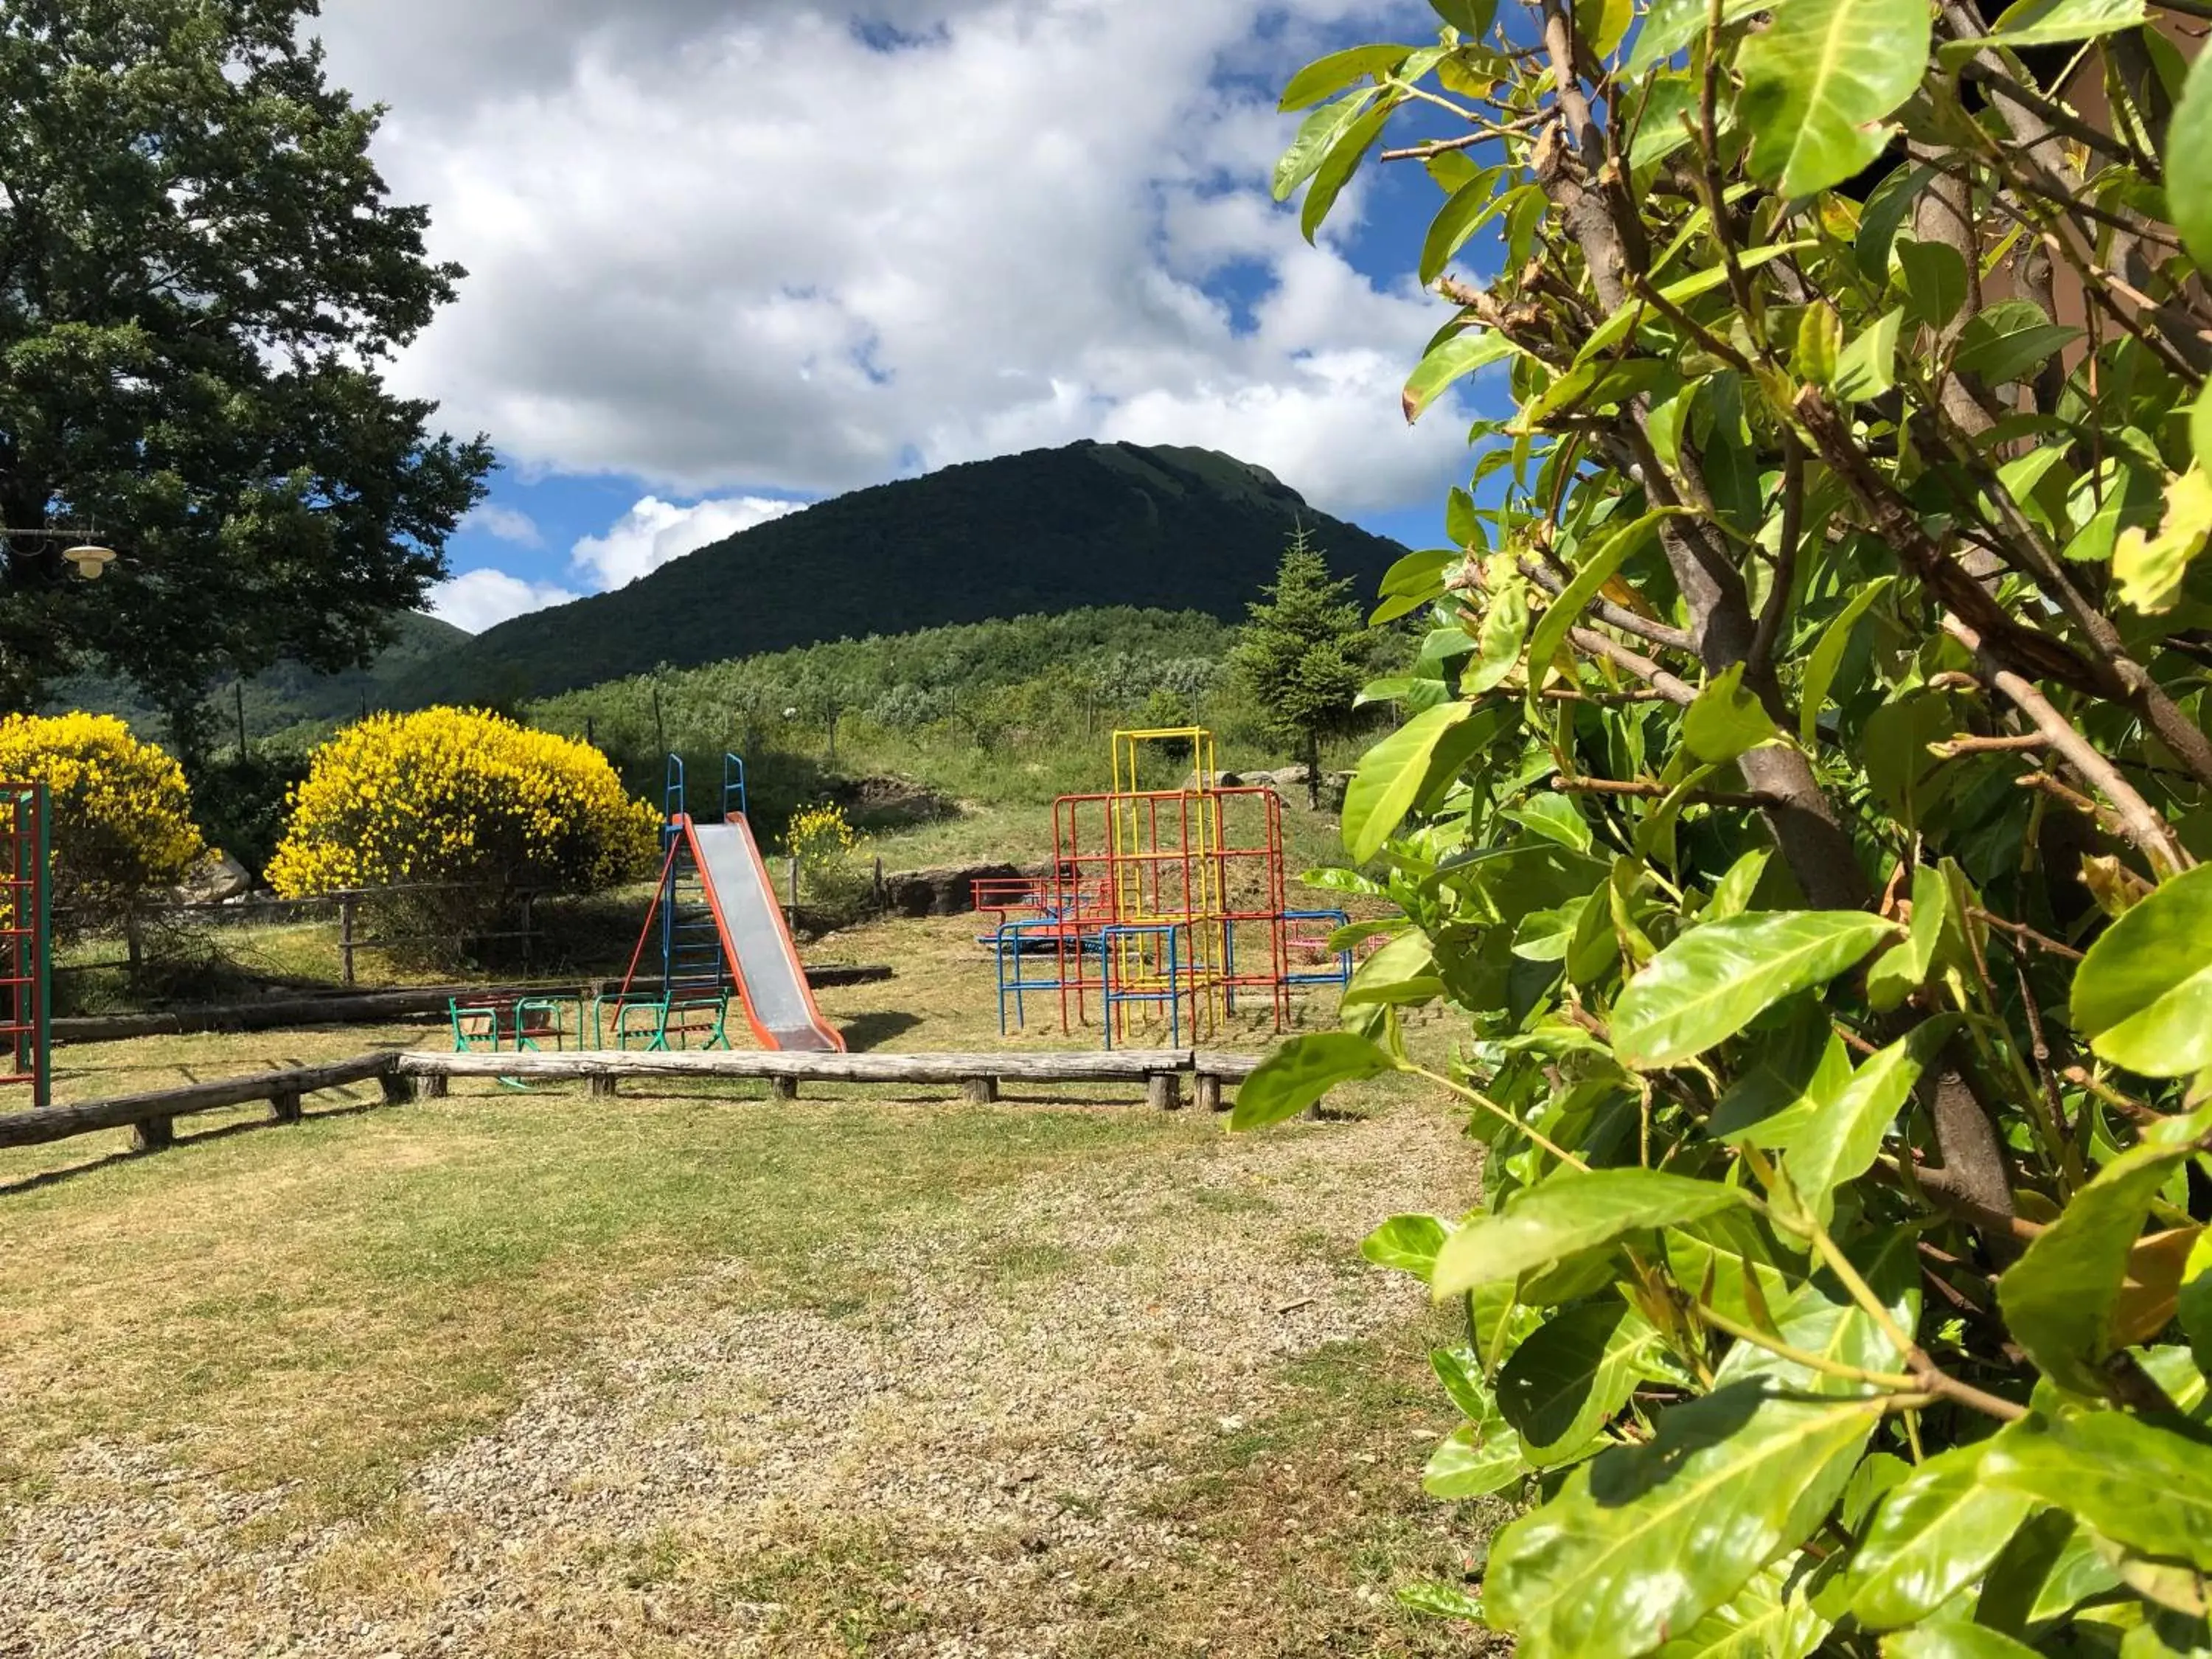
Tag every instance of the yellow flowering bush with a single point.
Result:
(121, 812)
(829, 850)
(454, 795)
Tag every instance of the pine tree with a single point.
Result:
(1304, 654)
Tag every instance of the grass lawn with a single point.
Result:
(691, 1372)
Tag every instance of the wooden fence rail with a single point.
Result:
(153, 1115)
(1160, 1070)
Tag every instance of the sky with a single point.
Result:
(729, 256)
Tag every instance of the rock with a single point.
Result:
(216, 879)
(1225, 780)
(941, 890)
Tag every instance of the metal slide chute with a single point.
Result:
(779, 1004)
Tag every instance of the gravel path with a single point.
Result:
(975, 1467)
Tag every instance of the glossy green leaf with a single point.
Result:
(2050, 23)
(1300, 1071)
(1593, 385)
(1845, 1131)
(1648, 1539)
(1413, 581)
(1462, 213)
(1671, 25)
(1715, 980)
(1439, 1601)
(1498, 649)
(2144, 994)
(1555, 817)
(1324, 76)
(2139, 1485)
(2060, 1300)
(1457, 356)
(1794, 1063)
(1769, 1618)
(1732, 894)
(1316, 135)
(1828, 656)
(1935, 281)
(1727, 720)
(1342, 160)
(1572, 1211)
(2151, 569)
(1469, 1463)
(1391, 777)
(1618, 327)
(1404, 970)
(1819, 82)
(1868, 367)
(1572, 1374)
(1935, 1532)
(2187, 160)
(1600, 563)
(1953, 1638)
(1899, 972)
(1733, 1263)
(1407, 1243)
(2009, 340)
(1819, 343)
(1471, 18)
(1664, 123)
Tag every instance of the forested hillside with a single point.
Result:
(1090, 525)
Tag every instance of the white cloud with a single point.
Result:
(654, 531)
(508, 524)
(477, 599)
(690, 265)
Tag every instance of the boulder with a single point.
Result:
(941, 890)
(1225, 780)
(216, 879)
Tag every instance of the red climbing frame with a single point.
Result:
(26, 983)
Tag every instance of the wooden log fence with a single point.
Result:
(152, 1117)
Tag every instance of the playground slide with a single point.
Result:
(778, 1001)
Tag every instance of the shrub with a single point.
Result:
(245, 800)
(829, 852)
(456, 796)
(122, 815)
(1800, 805)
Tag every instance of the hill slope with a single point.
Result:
(1053, 530)
(287, 695)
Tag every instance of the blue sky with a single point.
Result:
(727, 260)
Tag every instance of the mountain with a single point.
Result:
(1052, 529)
(287, 695)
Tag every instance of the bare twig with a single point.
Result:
(1615, 616)
(2140, 822)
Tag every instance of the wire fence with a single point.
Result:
(401, 921)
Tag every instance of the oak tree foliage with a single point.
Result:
(1803, 812)
(200, 276)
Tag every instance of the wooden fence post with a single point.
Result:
(601, 1085)
(783, 1088)
(794, 884)
(345, 938)
(284, 1106)
(1208, 1092)
(398, 1087)
(981, 1090)
(153, 1135)
(134, 942)
(526, 926)
(1164, 1091)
